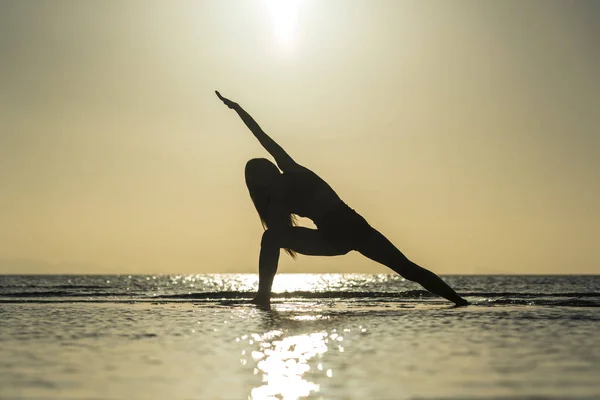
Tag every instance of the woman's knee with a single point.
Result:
(270, 239)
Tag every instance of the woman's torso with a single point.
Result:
(305, 194)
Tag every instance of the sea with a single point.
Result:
(327, 336)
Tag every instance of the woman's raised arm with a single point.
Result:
(284, 161)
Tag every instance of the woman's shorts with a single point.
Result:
(344, 228)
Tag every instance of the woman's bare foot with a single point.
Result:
(461, 303)
(263, 302)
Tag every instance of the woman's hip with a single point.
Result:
(344, 228)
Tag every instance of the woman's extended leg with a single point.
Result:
(302, 240)
(378, 248)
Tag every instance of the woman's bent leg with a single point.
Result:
(302, 240)
(378, 248)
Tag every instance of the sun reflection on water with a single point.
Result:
(286, 282)
(284, 363)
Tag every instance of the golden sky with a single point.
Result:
(468, 132)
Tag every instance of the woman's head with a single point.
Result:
(262, 179)
(261, 174)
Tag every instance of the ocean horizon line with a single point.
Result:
(278, 273)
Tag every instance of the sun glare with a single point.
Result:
(284, 362)
(284, 19)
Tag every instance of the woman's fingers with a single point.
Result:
(223, 99)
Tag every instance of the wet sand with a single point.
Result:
(320, 349)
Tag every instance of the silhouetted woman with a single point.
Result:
(299, 191)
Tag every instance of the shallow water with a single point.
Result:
(331, 336)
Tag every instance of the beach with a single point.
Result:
(353, 336)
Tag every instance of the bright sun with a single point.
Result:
(284, 18)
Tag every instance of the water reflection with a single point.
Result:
(283, 282)
(290, 365)
(283, 363)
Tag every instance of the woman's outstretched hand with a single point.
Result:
(226, 101)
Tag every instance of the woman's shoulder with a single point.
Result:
(298, 169)
(300, 174)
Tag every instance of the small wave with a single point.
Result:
(72, 287)
(63, 293)
(302, 294)
(558, 299)
(413, 294)
(543, 302)
(495, 298)
(530, 294)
